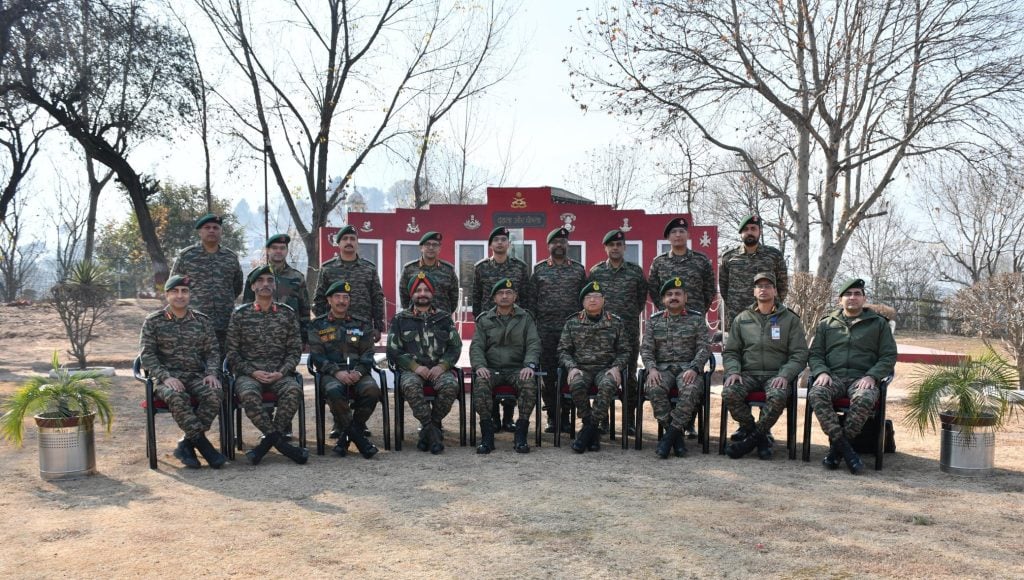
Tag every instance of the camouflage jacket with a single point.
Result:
(442, 275)
(695, 270)
(681, 340)
(216, 281)
(423, 340)
(291, 290)
(367, 296)
(263, 340)
(736, 271)
(486, 274)
(853, 348)
(554, 293)
(171, 346)
(754, 348)
(341, 345)
(505, 342)
(625, 291)
(591, 344)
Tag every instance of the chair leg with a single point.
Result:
(320, 416)
(791, 424)
(399, 416)
(805, 453)
(558, 416)
(538, 405)
(722, 428)
(705, 424)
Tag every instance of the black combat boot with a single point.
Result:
(186, 453)
(341, 447)
(213, 457)
(424, 443)
(740, 434)
(585, 436)
(680, 447)
(834, 457)
(549, 427)
(738, 449)
(522, 432)
(496, 413)
(509, 424)
(595, 438)
(436, 438)
(764, 446)
(486, 437)
(256, 454)
(566, 423)
(853, 461)
(296, 454)
(668, 441)
(355, 434)
(691, 430)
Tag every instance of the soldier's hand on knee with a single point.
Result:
(435, 372)
(779, 382)
(573, 373)
(175, 384)
(733, 379)
(823, 380)
(211, 381)
(615, 374)
(865, 383)
(483, 373)
(689, 377)
(525, 374)
(423, 372)
(653, 378)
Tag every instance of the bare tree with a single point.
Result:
(19, 258)
(993, 309)
(21, 132)
(68, 219)
(612, 175)
(810, 297)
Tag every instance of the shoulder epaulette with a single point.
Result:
(694, 312)
(658, 314)
(229, 250)
(447, 263)
(410, 263)
(242, 306)
(198, 313)
(285, 306)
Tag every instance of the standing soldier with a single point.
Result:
(593, 351)
(505, 351)
(553, 298)
(446, 282)
(215, 274)
(424, 344)
(675, 350)
(341, 348)
(291, 284)
(179, 349)
(487, 273)
(263, 349)
(738, 266)
(625, 291)
(367, 296)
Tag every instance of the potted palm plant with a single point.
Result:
(64, 409)
(969, 402)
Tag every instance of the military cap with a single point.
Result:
(278, 239)
(345, 230)
(436, 236)
(679, 222)
(501, 285)
(750, 219)
(851, 284)
(177, 280)
(671, 283)
(210, 217)
(498, 231)
(339, 286)
(614, 236)
(420, 278)
(558, 233)
(266, 269)
(591, 287)
(764, 276)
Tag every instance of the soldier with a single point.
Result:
(341, 348)
(446, 282)
(852, 351)
(505, 351)
(592, 349)
(625, 290)
(553, 298)
(291, 284)
(263, 349)
(675, 350)
(739, 265)
(179, 349)
(766, 349)
(215, 274)
(367, 296)
(424, 344)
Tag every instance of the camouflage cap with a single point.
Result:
(177, 280)
(592, 286)
(262, 270)
(671, 283)
(421, 278)
(615, 235)
(210, 217)
(679, 222)
(558, 233)
(436, 236)
(764, 276)
(349, 229)
(339, 286)
(750, 219)
(501, 285)
(851, 284)
(278, 239)
(498, 231)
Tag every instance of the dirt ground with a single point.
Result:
(547, 514)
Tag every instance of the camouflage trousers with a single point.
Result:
(446, 388)
(351, 403)
(194, 422)
(689, 395)
(549, 363)
(862, 407)
(606, 387)
(289, 397)
(526, 392)
(775, 402)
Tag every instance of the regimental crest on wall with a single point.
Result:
(519, 202)
(366, 227)
(625, 225)
(472, 223)
(567, 219)
(705, 240)
(412, 227)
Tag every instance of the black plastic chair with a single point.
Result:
(320, 407)
(842, 405)
(703, 411)
(429, 394)
(757, 399)
(565, 397)
(505, 393)
(269, 402)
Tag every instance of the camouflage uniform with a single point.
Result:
(594, 347)
(345, 345)
(554, 296)
(625, 292)
(367, 296)
(849, 349)
(736, 272)
(442, 276)
(265, 340)
(505, 345)
(486, 274)
(673, 345)
(291, 290)
(695, 270)
(216, 282)
(428, 339)
(186, 349)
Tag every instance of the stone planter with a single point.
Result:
(67, 446)
(104, 371)
(971, 454)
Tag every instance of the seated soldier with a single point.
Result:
(593, 350)
(263, 347)
(852, 351)
(504, 351)
(179, 349)
(424, 345)
(675, 349)
(341, 348)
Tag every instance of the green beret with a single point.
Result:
(591, 287)
(498, 231)
(259, 272)
(678, 222)
(278, 239)
(501, 285)
(764, 276)
(671, 283)
(210, 217)
(436, 236)
(851, 284)
(339, 286)
(614, 236)
(345, 230)
(177, 280)
(420, 278)
(750, 219)
(558, 233)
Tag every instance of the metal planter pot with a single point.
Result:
(67, 446)
(971, 454)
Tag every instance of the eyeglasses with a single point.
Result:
(852, 293)
(432, 244)
(764, 286)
